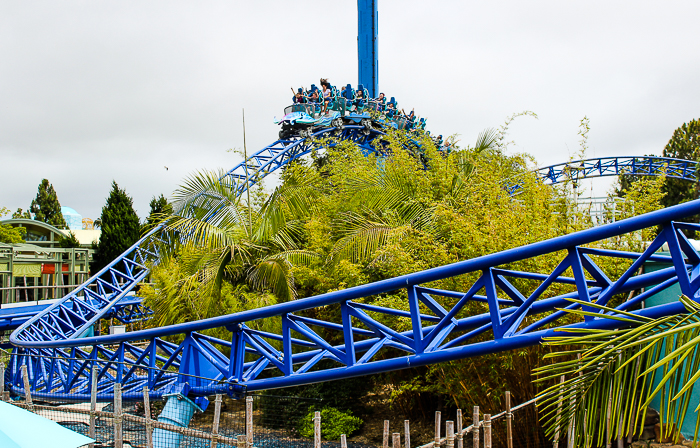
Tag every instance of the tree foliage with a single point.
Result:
(20, 214)
(8, 233)
(160, 209)
(615, 375)
(120, 227)
(46, 207)
(684, 144)
(69, 241)
(354, 219)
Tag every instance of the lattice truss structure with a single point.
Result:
(483, 305)
(612, 166)
(281, 152)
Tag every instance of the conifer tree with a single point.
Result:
(21, 214)
(120, 228)
(46, 207)
(684, 144)
(160, 207)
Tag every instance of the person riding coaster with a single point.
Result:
(330, 107)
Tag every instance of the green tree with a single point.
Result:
(69, 241)
(10, 234)
(229, 261)
(120, 227)
(46, 207)
(160, 209)
(684, 144)
(19, 214)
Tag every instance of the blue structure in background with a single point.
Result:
(73, 219)
(579, 170)
(367, 46)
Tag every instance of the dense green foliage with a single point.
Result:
(160, 209)
(352, 220)
(619, 372)
(46, 207)
(333, 424)
(20, 214)
(9, 234)
(120, 227)
(68, 241)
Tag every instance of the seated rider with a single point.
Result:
(381, 102)
(391, 108)
(325, 85)
(315, 99)
(299, 96)
(359, 97)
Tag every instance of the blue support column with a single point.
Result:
(367, 61)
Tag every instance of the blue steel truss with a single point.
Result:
(128, 310)
(503, 308)
(611, 166)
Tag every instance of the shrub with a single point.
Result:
(333, 424)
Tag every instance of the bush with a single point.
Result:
(333, 424)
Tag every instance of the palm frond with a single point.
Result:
(618, 373)
(363, 237)
(272, 273)
(289, 202)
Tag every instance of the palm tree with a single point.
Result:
(612, 376)
(393, 203)
(215, 241)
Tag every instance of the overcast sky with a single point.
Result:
(95, 91)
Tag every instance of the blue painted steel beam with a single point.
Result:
(59, 360)
(367, 46)
(610, 166)
(442, 329)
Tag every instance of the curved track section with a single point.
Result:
(612, 166)
(501, 308)
(492, 314)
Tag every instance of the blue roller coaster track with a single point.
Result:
(503, 308)
(579, 170)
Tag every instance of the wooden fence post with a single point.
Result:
(475, 427)
(147, 414)
(93, 403)
(249, 421)
(487, 430)
(509, 421)
(438, 417)
(385, 435)
(343, 441)
(396, 440)
(27, 389)
(118, 429)
(215, 423)
(407, 434)
(2, 381)
(317, 429)
(449, 434)
(459, 436)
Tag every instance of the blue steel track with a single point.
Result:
(502, 309)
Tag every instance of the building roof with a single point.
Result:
(45, 235)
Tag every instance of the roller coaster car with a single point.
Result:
(303, 119)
